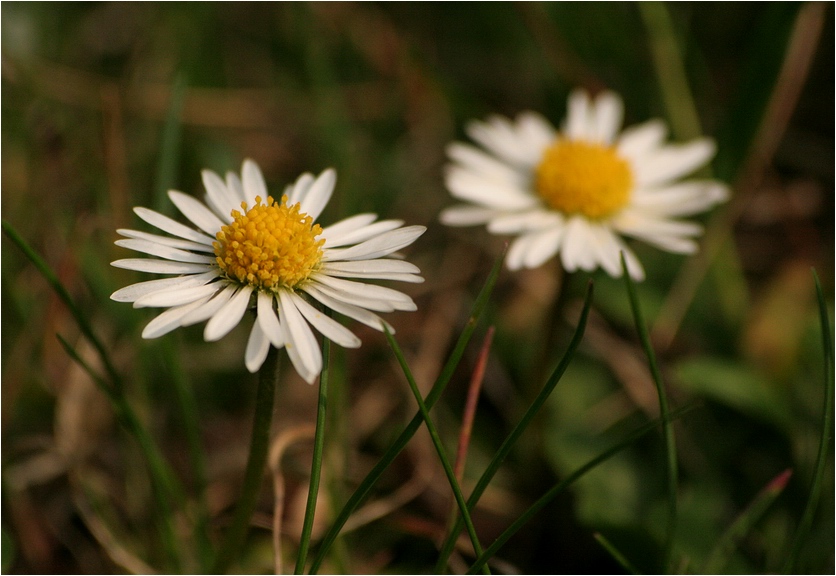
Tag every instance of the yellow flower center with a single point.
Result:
(583, 178)
(269, 246)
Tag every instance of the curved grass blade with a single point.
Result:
(667, 428)
(316, 464)
(615, 553)
(567, 482)
(163, 483)
(743, 525)
(65, 297)
(445, 462)
(499, 457)
(438, 387)
(806, 523)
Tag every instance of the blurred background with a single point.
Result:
(105, 106)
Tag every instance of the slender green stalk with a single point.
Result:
(265, 395)
(615, 553)
(664, 409)
(439, 447)
(438, 387)
(806, 522)
(164, 487)
(670, 70)
(80, 318)
(744, 523)
(566, 483)
(316, 464)
(499, 457)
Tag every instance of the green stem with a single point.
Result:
(445, 462)
(615, 553)
(316, 464)
(806, 523)
(265, 396)
(667, 428)
(438, 387)
(510, 441)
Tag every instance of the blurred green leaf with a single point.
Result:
(735, 385)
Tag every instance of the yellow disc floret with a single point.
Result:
(583, 178)
(269, 246)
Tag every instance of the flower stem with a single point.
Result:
(265, 395)
(316, 464)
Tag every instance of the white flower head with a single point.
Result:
(577, 191)
(250, 250)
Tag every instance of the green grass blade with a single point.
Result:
(316, 463)
(566, 483)
(806, 523)
(78, 315)
(162, 481)
(615, 553)
(439, 448)
(510, 441)
(667, 428)
(438, 387)
(259, 444)
(743, 525)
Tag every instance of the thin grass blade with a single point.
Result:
(499, 457)
(439, 448)
(438, 387)
(566, 483)
(664, 409)
(806, 523)
(615, 553)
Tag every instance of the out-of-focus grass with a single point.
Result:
(93, 124)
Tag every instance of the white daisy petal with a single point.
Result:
(219, 197)
(380, 266)
(634, 266)
(160, 266)
(466, 215)
(578, 125)
(135, 291)
(177, 296)
(257, 348)
(363, 233)
(234, 184)
(382, 245)
(537, 132)
(355, 312)
(268, 320)
(170, 319)
(307, 358)
(328, 327)
(674, 161)
(228, 316)
(195, 211)
(637, 141)
(499, 136)
(681, 199)
(543, 246)
(607, 117)
(352, 298)
(319, 194)
(334, 232)
(606, 249)
(577, 252)
(167, 252)
(165, 240)
(517, 251)
(474, 160)
(398, 300)
(465, 185)
(516, 222)
(166, 224)
(297, 191)
(252, 182)
(208, 309)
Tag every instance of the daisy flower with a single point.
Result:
(249, 251)
(579, 190)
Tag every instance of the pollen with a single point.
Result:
(269, 246)
(578, 177)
